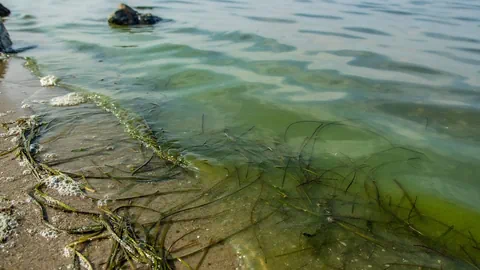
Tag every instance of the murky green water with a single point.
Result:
(402, 75)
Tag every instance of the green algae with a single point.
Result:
(134, 125)
(342, 201)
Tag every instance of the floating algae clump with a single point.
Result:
(70, 99)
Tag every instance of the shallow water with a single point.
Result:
(403, 73)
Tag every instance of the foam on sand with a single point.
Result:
(7, 224)
(65, 185)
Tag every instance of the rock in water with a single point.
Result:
(4, 12)
(126, 15)
(5, 42)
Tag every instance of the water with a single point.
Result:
(404, 73)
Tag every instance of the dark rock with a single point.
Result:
(126, 15)
(4, 12)
(5, 42)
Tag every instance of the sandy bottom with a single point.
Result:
(31, 245)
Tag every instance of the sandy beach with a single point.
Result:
(29, 243)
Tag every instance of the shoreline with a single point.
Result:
(25, 245)
(89, 140)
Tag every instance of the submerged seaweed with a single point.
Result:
(343, 212)
(134, 125)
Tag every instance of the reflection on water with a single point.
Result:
(408, 71)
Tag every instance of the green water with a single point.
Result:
(400, 75)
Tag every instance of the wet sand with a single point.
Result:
(25, 247)
(31, 245)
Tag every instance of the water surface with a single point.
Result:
(406, 71)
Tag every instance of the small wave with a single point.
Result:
(463, 6)
(366, 30)
(192, 31)
(435, 21)
(278, 68)
(270, 20)
(27, 17)
(319, 96)
(193, 78)
(237, 7)
(333, 34)
(456, 58)
(228, 1)
(367, 5)
(470, 50)
(260, 44)
(395, 12)
(452, 38)
(420, 3)
(437, 114)
(355, 12)
(180, 2)
(377, 61)
(466, 19)
(28, 29)
(318, 16)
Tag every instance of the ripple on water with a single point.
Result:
(318, 16)
(237, 7)
(26, 16)
(368, 5)
(180, 2)
(283, 68)
(466, 19)
(319, 96)
(332, 34)
(228, 2)
(470, 50)
(260, 44)
(395, 12)
(381, 62)
(195, 78)
(366, 30)
(329, 80)
(460, 120)
(177, 50)
(355, 12)
(453, 57)
(435, 21)
(270, 19)
(452, 38)
(420, 3)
